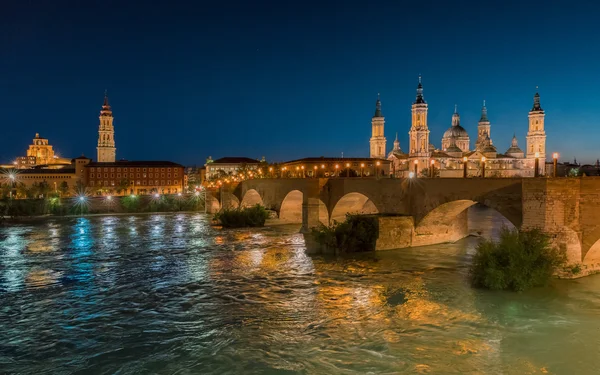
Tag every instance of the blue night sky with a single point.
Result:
(287, 80)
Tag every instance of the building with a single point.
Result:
(377, 141)
(135, 177)
(58, 180)
(334, 167)
(40, 152)
(106, 149)
(423, 158)
(230, 166)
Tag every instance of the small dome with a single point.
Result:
(456, 131)
(489, 148)
(453, 148)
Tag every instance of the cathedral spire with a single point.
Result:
(484, 117)
(536, 101)
(419, 99)
(396, 143)
(455, 116)
(378, 107)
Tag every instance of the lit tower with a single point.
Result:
(377, 138)
(106, 135)
(536, 136)
(483, 129)
(419, 132)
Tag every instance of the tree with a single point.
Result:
(348, 172)
(5, 190)
(123, 186)
(23, 191)
(41, 189)
(63, 188)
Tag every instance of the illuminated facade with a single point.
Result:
(40, 152)
(455, 155)
(106, 135)
(377, 141)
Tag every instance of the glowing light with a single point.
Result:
(537, 154)
(179, 194)
(555, 155)
(483, 159)
(12, 176)
(322, 166)
(411, 175)
(316, 167)
(378, 163)
(132, 195)
(416, 162)
(271, 169)
(197, 193)
(347, 165)
(108, 198)
(81, 199)
(465, 159)
(362, 165)
(302, 167)
(337, 166)
(157, 195)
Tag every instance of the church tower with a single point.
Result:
(106, 135)
(419, 132)
(536, 136)
(483, 129)
(377, 141)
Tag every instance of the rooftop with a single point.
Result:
(235, 160)
(326, 159)
(137, 163)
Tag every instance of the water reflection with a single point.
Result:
(171, 294)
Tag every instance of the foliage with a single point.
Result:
(242, 217)
(517, 261)
(63, 188)
(425, 172)
(574, 172)
(131, 203)
(123, 185)
(348, 172)
(358, 233)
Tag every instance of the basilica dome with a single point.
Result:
(456, 131)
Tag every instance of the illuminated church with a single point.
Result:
(424, 159)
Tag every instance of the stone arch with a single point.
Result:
(251, 198)
(590, 246)
(291, 208)
(354, 203)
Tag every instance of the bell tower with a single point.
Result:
(419, 132)
(536, 136)
(106, 134)
(377, 141)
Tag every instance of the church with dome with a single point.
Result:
(455, 155)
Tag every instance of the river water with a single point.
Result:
(169, 294)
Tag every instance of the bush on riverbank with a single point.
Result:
(517, 261)
(358, 233)
(243, 217)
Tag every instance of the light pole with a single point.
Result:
(347, 169)
(337, 173)
(303, 174)
(377, 169)
(536, 172)
(555, 163)
(12, 183)
(483, 166)
(316, 171)
(416, 163)
(362, 166)
(271, 172)
(465, 162)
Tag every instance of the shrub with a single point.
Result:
(517, 261)
(358, 233)
(242, 217)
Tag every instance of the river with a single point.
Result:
(169, 294)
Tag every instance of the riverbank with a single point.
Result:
(23, 219)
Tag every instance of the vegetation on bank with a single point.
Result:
(358, 233)
(242, 217)
(518, 261)
(57, 206)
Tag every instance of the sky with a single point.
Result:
(292, 79)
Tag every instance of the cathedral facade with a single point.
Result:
(455, 158)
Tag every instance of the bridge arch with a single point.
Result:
(353, 203)
(291, 208)
(251, 198)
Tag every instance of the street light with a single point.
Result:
(536, 172)
(483, 166)
(416, 163)
(377, 168)
(431, 172)
(347, 169)
(465, 160)
(316, 171)
(362, 166)
(555, 163)
(303, 174)
(336, 170)
(411, 175)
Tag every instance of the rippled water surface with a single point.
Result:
(169, 294)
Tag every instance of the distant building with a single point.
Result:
(455, 151)
(135, 177)
(229, 165)
(334, 167)
(40, 152)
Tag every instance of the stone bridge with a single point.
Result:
(429, 211)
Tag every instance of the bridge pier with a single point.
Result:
(310, 207)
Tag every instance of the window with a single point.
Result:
(137, 170)
(144, 170)
(105, 169)
(118, 169)
(118, 175)
(162, 175)
(91, 175)
(168, 182)
(138, 175)
(106, 175)
(162, 169)
(112, 169)
(124, 169)
(144, 174)
(112, 175)
(91, 183)
(168, 175)
(105, 183)
(169, 170)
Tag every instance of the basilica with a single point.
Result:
(455, 158)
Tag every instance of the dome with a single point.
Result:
(488, 149)
(453, 148)
(456, 131)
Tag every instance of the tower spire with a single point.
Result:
(536, 101)
(484, 117)
(419, 99)
(455, 116)
(378, 107)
